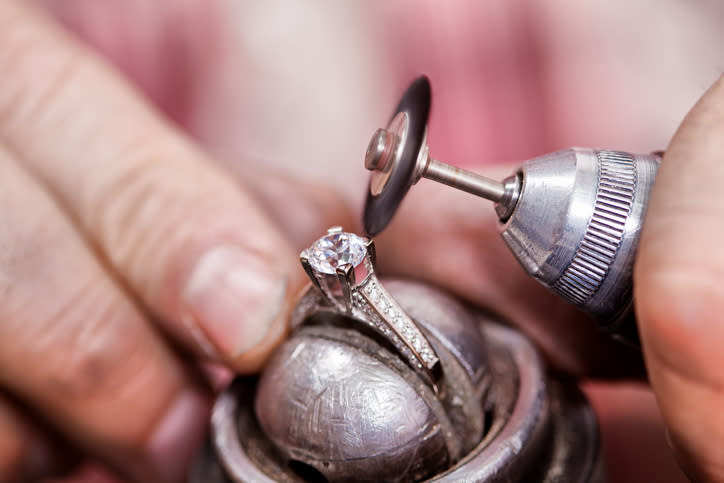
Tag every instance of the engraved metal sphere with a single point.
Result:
(343, 404)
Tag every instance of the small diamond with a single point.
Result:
(416, 344)
(336, 249)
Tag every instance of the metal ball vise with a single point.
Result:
(339, 403)
(571, 218)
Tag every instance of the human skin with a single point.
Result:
(114, 212)
(131, 255)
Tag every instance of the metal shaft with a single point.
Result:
(464, 180)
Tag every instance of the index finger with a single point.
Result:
(185, 238)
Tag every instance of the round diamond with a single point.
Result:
(337, 249)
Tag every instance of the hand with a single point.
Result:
(123, 248)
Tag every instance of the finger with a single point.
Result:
(197, 249)
(633, 436)
(27, 452)
(88, 472)
(313, 208)
(450, 238)
(678, 287)
(75, 348)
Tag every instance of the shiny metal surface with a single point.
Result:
(505, 207)
(456, 408)
(545, 432)
(337, 404)
(576, 225)
(352, 288)
(571, 218)
(345, 412)
(464, 180)
(385, 150)
(387, 189)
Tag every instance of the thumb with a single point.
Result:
(679, 293)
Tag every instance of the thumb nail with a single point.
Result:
(235, 298)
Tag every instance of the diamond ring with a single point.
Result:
(341, 266)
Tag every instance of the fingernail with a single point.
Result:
(175, 443)
(235, 298)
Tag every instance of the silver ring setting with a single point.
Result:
(341, 266)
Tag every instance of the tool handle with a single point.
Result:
(576, 226)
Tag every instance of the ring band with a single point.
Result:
(341, 266)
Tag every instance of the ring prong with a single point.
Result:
(345, 274)
(304, 258)
(371, 252)
(334, 229)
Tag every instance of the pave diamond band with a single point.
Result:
(389, 318)
(341, 266)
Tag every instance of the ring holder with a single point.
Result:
(337, 402)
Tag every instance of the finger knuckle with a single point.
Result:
(33, 76)
(91, 352)
(128, 196)
(157, 207)
(76, 344)
(97, 356)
